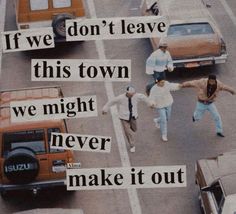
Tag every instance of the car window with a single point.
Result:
(52, 150)
(32, 139)
(61, 3)
(218, 194)
(38, 4)
(190, 29)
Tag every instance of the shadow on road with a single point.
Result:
(50, 198)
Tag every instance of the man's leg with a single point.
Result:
(128, 132)
(157, 119)
(163, 123)
(199, 111)
(168, 112)
(216, 116)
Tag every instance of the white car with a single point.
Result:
(216, 178)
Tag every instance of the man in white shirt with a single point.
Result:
(128, 112)
(156, 64)
(161, 99)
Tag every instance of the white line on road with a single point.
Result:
(2, 23)
(132, 193)
(229, 11)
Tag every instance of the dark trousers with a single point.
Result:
(155, 75)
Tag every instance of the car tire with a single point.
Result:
(4, 195)
(59, 24)
(21, 166)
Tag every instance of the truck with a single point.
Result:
(27, 162)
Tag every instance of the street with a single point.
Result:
(187, 143)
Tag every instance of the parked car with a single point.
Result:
(26, 160)
(216, 179)
(48, 13)
(193, 37)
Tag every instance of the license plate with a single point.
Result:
(206, 63)
(73, 165)
(192, 65)
(58, 169)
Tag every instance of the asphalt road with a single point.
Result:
(188, 142)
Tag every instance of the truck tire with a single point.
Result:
(4, 195)
(21, 166)
(59, 24)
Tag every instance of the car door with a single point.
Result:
(213, 198)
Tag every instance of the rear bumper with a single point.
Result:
(33, 185)
(189, 63)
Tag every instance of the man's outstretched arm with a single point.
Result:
(191, 84)
(110, 103)
(224, 87)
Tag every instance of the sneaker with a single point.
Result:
(193, 119)
(132, 149)
(155, 120)
(219, 134)
(164, 138)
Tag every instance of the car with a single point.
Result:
(216, 178)
(192, 35)
(48, 13)
(26, 160)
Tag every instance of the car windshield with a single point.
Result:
(190, 29)
(32, 139)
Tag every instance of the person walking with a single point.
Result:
(156, 64)
(128, 112)
(207, 91)
(161, 99)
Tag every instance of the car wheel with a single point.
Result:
(4, 195)
(59, 24)
(21, 166)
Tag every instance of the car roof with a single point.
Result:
(221, 166)
(7, 96)
(229, 204)
(228, 184)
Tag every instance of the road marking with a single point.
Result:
(2, 23)
(229, 11)
(134, 8)
(132, 193)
